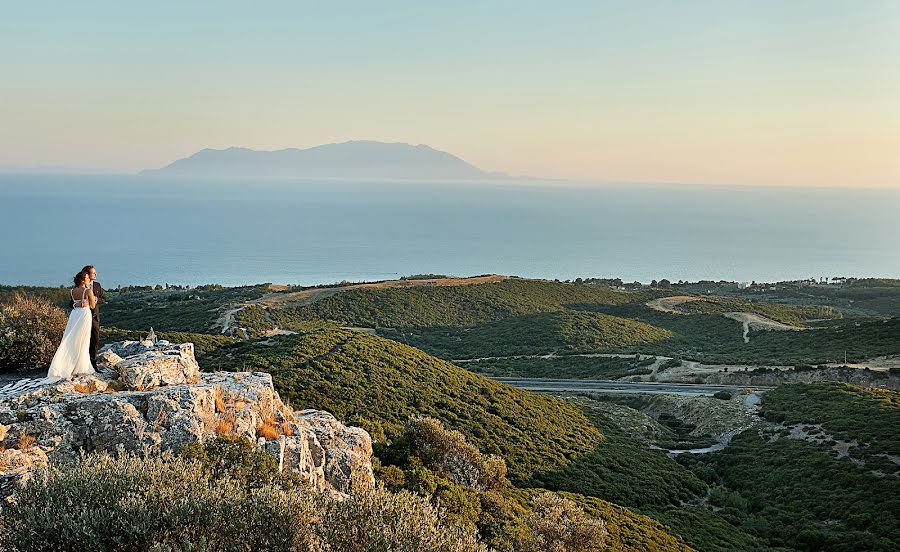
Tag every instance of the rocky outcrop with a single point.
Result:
(854, 376)
(148, 365)
(151, 397)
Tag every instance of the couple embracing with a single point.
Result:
(77, 353)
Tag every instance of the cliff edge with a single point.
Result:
(150, 397)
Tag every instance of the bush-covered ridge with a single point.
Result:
(800, 490)
(467, 305)
(380, 384)
(563, 332)
(786, 314)
(847, 412)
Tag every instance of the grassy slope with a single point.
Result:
(625, 471)
(173, 310)
(713, 339)
(786, 314)
(537, 333)
(562, 367)
(467, 305)
(380, 384)
(546, 442)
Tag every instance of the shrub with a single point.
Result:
(445, 451)
(723, 395)
(501, 523)
(460, 504)
(127, 503)
(379, 521)
(30, 332)
(25, 441)
(558, 525)
(493, 472)
(420, 480)
(391, 477)
(237, 458)
(167, 504)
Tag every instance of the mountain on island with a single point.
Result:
(355, 159)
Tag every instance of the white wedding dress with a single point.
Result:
(73, 356)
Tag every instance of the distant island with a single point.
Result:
(355, 159)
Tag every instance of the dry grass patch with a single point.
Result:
(25, 441)
(268, 429)
(224, 428)
(225, 425)
(220, 401)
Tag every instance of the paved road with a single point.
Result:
(605, 386)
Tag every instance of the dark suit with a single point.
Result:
(95, 328)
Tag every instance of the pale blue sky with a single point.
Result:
(794, 92)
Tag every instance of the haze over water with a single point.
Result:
(141, 230)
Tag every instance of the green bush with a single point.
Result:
(558, 525)
(445, 451)
(128, 503)
(167, 503)
(30, 332)
(380, 521)
(391, 477)
(237, 458)
(501, 524)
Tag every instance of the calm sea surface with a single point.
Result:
(142, 230)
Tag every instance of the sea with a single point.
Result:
(140, 230)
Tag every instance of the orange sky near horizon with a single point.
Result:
(770, 93)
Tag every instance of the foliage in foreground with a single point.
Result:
(30, 331)
(170, 504)
(446, 452)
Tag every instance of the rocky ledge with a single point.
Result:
(151, 397)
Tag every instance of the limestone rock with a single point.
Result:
(165, 403)
(148, 365)
(108, 358)
(347, 451)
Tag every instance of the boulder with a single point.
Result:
(346, 451)
(148, 365)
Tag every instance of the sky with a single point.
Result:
(719, 92)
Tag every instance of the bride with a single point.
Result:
(73, 358)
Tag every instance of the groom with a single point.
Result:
(95, 327)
